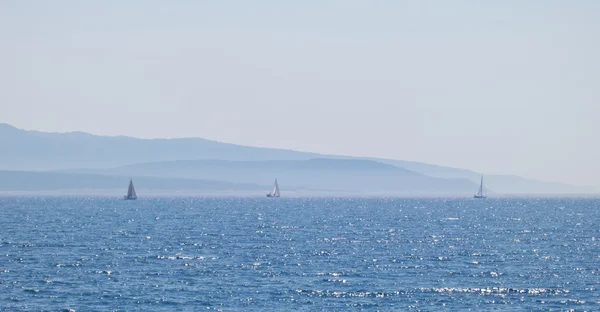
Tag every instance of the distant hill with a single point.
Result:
(23, 181)
(506, 184)
(34, 150)
(330, 175)
(22, 150)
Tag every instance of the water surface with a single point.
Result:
(322, 254)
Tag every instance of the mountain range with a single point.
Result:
(65, 183)
(70, 160)
(356, 176)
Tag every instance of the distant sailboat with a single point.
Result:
(481, 191)
(130, 192)
(275, 191)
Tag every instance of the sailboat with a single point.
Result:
(130, 192)
(275, 191)
(481, 191)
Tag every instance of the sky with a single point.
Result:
(503, 87)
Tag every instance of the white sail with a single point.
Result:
(481, 191)
(275, 191)
(131, 191)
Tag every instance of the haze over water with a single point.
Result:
(327, 254)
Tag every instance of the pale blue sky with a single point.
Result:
(505, 86)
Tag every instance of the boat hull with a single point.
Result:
(478, 196)
(269, 195)
(129, 198)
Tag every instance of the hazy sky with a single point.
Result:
(507, 86)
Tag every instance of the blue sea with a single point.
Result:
(299, 254)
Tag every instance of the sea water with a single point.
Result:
(301, 254)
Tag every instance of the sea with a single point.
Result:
(299, 254)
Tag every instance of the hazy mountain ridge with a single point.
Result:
(310, 164)
(61, 181)
(22, 150)
(507, 184)
(34, 150)
(334, 175)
